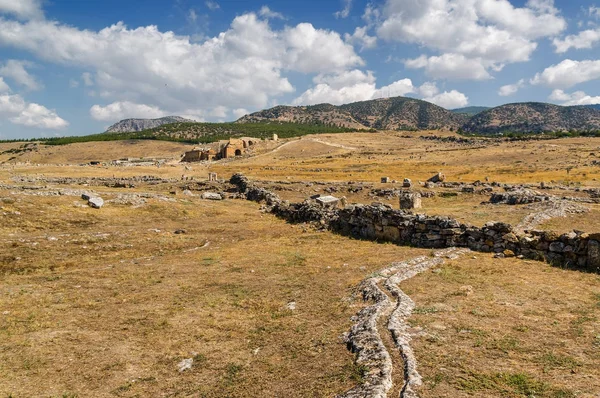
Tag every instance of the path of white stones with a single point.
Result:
(391, 307)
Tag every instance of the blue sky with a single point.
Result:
(75, 67)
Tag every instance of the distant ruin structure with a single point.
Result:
(226, 149)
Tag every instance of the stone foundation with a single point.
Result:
(382, 223)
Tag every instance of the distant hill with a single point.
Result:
(533, 117)
(397, 113)
(134, 125)
(471, 110)
(595, 106)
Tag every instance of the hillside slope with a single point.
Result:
(398, 113)
(533, 117)
(471, 110)
(134, 125)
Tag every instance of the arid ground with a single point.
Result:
(162, 293)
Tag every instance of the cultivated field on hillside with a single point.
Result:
(113, 302)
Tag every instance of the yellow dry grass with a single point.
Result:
(497, 327)
(108, 302)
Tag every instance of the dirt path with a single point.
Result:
(392, 307)
(548, 210)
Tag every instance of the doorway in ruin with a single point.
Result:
(238, 152)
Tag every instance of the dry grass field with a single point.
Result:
(108, 302)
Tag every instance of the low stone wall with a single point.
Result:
(383, 223)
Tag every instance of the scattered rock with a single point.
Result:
(439, 177)
(96, 202)
(185, 364)
(291, 305)
(466, 290)
(211, 196)
(180, 231)
(409, 200)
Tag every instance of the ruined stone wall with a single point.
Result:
(382, 223)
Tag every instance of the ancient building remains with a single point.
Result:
(410, 200)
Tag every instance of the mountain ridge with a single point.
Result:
(533, 117)
(135, 125)
(395, 113)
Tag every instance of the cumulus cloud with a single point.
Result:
(344, 12)
(266, 12)
(4, 88)
(576, 98)
(22, 9)
(451, 66)
(489, 33)
(242, 67)
(16, 71)
(361, 38)
(511, 89)
(582, 40)
(18, 111)
(568, 73)
(238, 113)
(122, 110)
(449, 99)
(353, 86)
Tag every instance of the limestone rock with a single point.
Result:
(410, 201)
(439, 177)
(96, 202)
(211, 196)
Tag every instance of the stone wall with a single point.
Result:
(383, 223)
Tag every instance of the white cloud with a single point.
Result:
(337, 89)
(398, 88)
(212, 5)
(584, 39)
(35, 115)
(242, 67)
(428, 89)
(266, 12)
(238, 113)
(490, 33)
(73, 83)
(353, 86)
(4, 88)
(451, 66)
(568, 73)
(192, 17)
(361, 38)
(87, 79)
(576, 98)
(125, 110)
(23, 9)
(345, 11)
(31, 114)
(16, 71)
(594, 12)
(511, 89)
(449, 99)
(313, 50)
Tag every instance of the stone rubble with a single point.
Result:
(382, 223)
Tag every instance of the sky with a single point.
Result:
(74, 67)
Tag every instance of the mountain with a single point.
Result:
(471, 110)
(134, 125)
(533, 117)
(595, 106)
(397, 113)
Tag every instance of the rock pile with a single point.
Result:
(518, 197)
